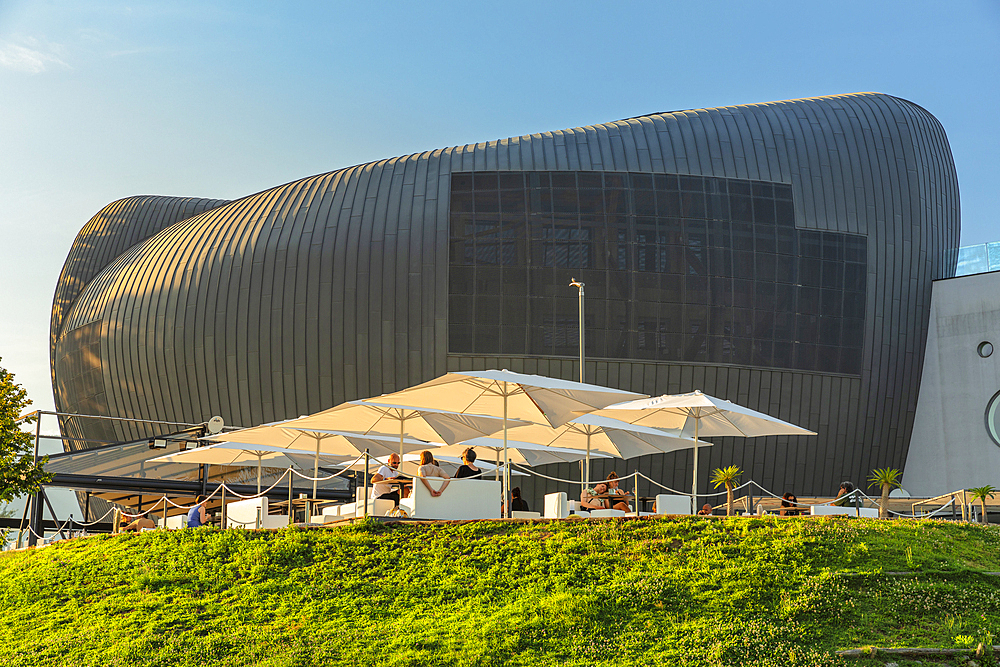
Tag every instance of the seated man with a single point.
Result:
(706, 510)
(382, 489)
(138, 524)
(590, 498)
(845, 495)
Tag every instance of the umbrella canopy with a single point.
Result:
(367, 417)
(520, 452)
(240, 454)
(506, 394)
(699, 414)
(336, 443)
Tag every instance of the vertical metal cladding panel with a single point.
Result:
(336, 286)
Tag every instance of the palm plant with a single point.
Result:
(981, 493)
(886, 479)
(728, 476)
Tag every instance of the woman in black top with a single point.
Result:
(516, 504)
(468, 467)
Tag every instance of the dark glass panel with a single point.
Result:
(590, 179)
(784, 326)
(784, 213)
(784, 269)
(695, 263)
(854, 304)
(810, 245)
(512, 202)
(645, 203)
(854, 277)
(742, 322)
(764, 240)
(620, 285)
(855, 248)
(805, 356)
(740, 208)
(595, 342)
(669, 204)
(763, 294)
(460, 309)
(809, 300)
(720, 321)
(696, 233)
(671, 231)
(810, 273)
(461, 280)
(487, 310)
(833, 247)
(782, 191)
(691, 183)
(763, 211)
(717, 206)
(696, 289)
(784, 298)
(827, 359)
(742, 292)
(461, 202)
(665, 182)
(591, 202)
(564, 201)
(850, 361)
(829, 331)
(487, 339)
(783, 354)
(785, 239)
(515, 311)
(511, 180)
(485, 180)
(762, 353)
(460, 338)
(539, 201)
(722, 289)
(743, 264)
(833, 275)
(461, 182)
(692, 205)
(614, 181)
(563, 179)
(512, 340)
(832, 303)
(696, 348)
(538, 179)
(461, 252)
(853, 333)
(762, 189)
(763, 326)
(807, 328)
(616, 201)
(737, 187)
(720, 261)
(715, 185)
(741, 350)
(672, 288)
(488, 280)
(642, 181)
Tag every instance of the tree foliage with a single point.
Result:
(18, 472)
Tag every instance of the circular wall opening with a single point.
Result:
(985, 349)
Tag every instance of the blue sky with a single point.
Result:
(103, 100)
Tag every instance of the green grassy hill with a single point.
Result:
(619, 592)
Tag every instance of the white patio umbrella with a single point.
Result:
(240, 454)
(699, 414)
(410, 462)
(534, 398)
(377, 417)
(519, 452)
(336, 443)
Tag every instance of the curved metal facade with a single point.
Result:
(340, 285)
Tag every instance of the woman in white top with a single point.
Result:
(428, 469)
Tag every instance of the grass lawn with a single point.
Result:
(668, 591)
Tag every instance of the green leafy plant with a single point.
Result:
(885, 479)
(19, 473)
(981, 493)
(727, 476)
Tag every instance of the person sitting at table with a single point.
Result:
(706, 510)
(468, 467)
(382, 489)
(516, 503)
(789, 505)
(613, 490)
(590, 498)
(140, 523)
(196, 515)
(844, 495)
(428, 469)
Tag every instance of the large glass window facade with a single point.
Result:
(677, 268)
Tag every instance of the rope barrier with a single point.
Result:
(700, 495)
(91, 523)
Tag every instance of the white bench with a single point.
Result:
(668, 503)
(175, 521)
(252, 513)
(463, 499)
(830, 510)
(524, 514)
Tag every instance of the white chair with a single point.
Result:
(830, 510)
(520, 514)
(598, 514)
(668, 503)
(252, 513)
(175, 521)
(556, 505)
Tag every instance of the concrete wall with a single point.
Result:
(950, 447)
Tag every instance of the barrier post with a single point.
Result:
(635, 491)
(365, 481)
(224, 505)
(291, 511)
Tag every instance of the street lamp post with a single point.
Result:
(579, 285)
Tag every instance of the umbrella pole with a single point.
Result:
(258, 473)
(315, 468)
(694, 481)
(365, 482)
(586, 475)
(506, 460)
